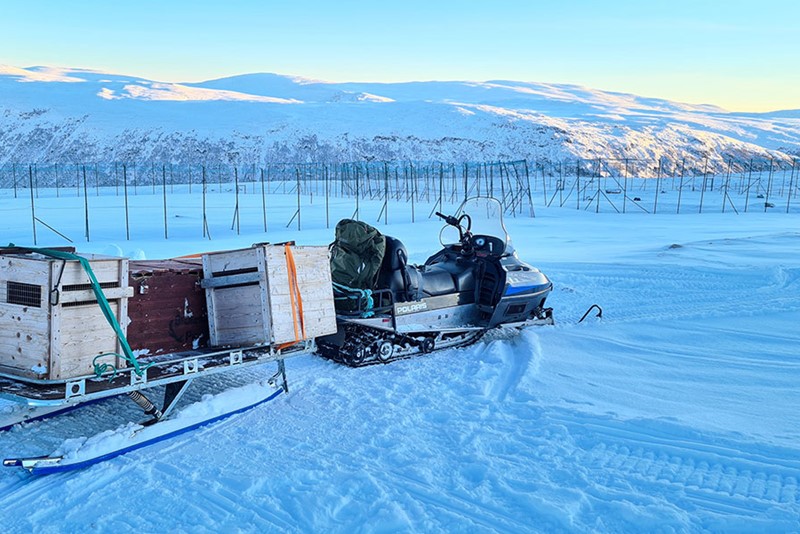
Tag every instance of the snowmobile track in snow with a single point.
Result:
(722, 473)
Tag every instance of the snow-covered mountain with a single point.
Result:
(78, 115)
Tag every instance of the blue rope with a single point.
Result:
(362, 295)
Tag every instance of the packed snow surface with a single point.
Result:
(676, 412)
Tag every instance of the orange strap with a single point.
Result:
(294, 295)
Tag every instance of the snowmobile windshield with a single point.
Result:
(486, 218)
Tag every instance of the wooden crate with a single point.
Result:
(248, 297)
(51, 326)
(167, 311)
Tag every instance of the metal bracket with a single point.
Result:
(236, 357)
(137, 379)
(190, 366)
(75, 389)
(279, 378)
(172, 394)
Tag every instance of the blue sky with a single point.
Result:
(741, 55)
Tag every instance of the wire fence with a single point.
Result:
(597, 185)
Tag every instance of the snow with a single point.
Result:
(676, 412)
(270, 117)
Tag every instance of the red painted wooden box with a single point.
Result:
(167, 311)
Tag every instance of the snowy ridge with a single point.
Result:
(56, 114)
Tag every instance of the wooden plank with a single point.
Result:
(104, 270)
(122, 311)
(85, 333)
(149, 267)
(239, 337)
(233, 260)
(263, 294)
(210, 305)
(87, 295)
(239, 310)
(230, 280)
(54, 332)
(24, 341)
(24, 270)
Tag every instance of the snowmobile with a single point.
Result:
(475, 283)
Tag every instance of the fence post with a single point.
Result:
(264, 201)
(791, 185)
(769, 186)
(680, 187)
(125, 192)
(703, 190)
(625, 186)
(206, 233)
(33, 203)
(658, 185)
(164, 194)
(86, 203)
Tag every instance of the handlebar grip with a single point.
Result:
(449, 219)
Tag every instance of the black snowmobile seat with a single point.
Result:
(437, 281)
(463, 274)
(405, 281)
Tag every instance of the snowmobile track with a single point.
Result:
(642, 453)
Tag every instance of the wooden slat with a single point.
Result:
(85, 333)
(234, 260)
(24, 270)
(24, 339)
(104, 271)
(230, 280)
(85, 295)
(237, 310)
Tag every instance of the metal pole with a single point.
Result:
(658, 186)
(791, 185)
(680, 187)
(164, 192)
(33, 204)
(625, 187)
(263, 201)
(125, 192)
(86, 203)
(703, 190)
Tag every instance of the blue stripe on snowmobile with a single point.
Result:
(524, 289)
(86, 463)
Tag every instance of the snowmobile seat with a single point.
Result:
(463, 275)
(395, 274)
(437, 281)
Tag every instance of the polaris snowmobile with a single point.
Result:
(388, 309)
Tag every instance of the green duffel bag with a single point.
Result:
(356, 258)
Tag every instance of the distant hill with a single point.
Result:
(49, 115)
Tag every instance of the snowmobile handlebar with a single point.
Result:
(449, 219)
(456, 221)
(463, 232)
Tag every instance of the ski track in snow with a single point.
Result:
(676, 412)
